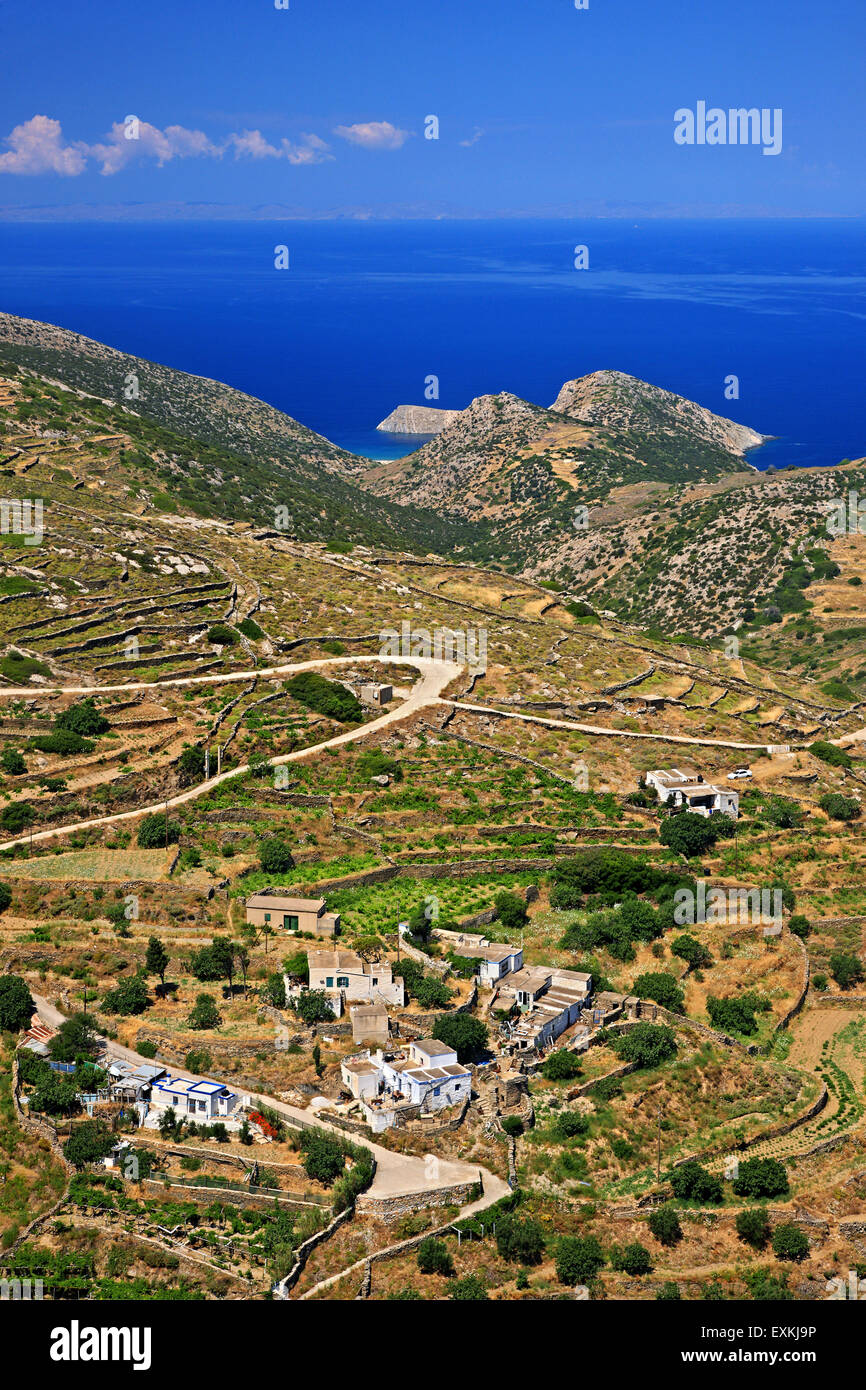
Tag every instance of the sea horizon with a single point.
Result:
(375, 314)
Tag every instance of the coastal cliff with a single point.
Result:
(417, 419)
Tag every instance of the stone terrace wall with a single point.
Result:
(394, 1208)
(43, 1129)
(774, 1132)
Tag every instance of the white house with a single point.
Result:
(426, 1075)
(202, 1101)
(346, 974)
(550, 1001)
(129, 1082)
(361, 1076)
(684, 787)
(429, 1075)
(494, 959)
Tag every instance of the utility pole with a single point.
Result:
(207, 763)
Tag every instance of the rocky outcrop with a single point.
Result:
(417, 419)
(619, 401)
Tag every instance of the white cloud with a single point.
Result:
(36, 147)
(312, 150)
(251, 144)
(125, 143)
(476, 135)
(374, 135)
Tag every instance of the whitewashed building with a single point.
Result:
(426, 1076)
(202, 1101)
(682, 787)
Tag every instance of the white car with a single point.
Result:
(739, 772)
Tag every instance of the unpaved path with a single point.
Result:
(435, 676)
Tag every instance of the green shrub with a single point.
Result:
(789, 1242)
(665, 1225)
(846, 969)
(466, 1035)
(693, 1183)
(205, 1013)
(275, 855)
(16, 1004)
(838, 807)
(561, 1066)
(688, 833)
(434, 1257)
(662, 988)
(154, 832)
(761, 1177)
(578, 1259)
(753, 1226)
(325, 697)
(83, 719)
(631, 1259)
(830, 753)
(520, 1239)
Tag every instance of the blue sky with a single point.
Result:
(321, 108)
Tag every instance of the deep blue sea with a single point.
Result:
(368, 311)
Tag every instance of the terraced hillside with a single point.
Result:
(183, 441)
(156, 744)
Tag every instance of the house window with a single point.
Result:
(267, 916)
(290, 922)
(375, 981)
(329, 982)
(343, 982)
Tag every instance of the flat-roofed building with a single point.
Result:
(361, 1076)
(681, 786)
(198, 1100)
(424, 1078)
(354, 979)
(494, 959)
(292, 914)
(550, 1001)
(369, 1023)
(372, 694)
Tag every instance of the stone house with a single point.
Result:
(292, 914)
(372, 694)
(370, 1023)
(353, 979)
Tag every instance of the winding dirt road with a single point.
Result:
(436, 675)
(397, 1175)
